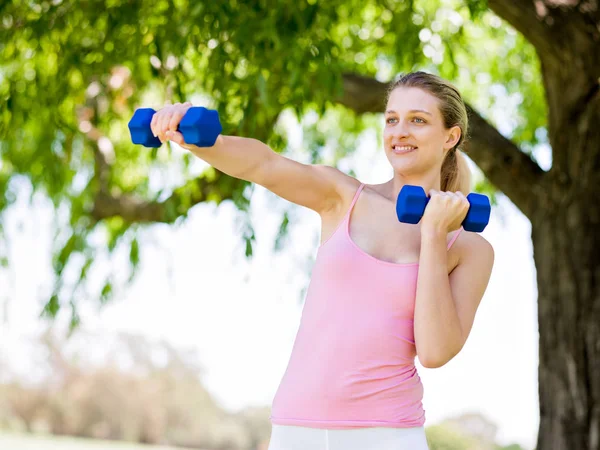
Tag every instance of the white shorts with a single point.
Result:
(285, 437)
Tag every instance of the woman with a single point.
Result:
(382, 292)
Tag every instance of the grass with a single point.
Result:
(11, 441)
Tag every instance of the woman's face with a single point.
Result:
(414, 136)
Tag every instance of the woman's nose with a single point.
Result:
(400, 130)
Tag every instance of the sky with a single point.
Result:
(196, 290)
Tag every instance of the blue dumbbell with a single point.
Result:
(412, 201)
(199, 126)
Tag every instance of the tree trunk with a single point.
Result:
(567, 258)
(566, 240)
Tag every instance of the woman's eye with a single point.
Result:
(416, 119)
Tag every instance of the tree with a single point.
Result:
(72, 73)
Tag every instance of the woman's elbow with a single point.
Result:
(432, 363)
(435, 361)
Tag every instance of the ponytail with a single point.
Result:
(456, 175)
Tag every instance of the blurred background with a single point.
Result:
(149, 301)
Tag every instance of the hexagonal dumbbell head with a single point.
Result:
(478, 215)
(139, 128)
(200, 126)
(411, 204)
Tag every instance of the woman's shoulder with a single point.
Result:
(473, 245)
(476, 241)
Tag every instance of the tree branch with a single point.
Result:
(363, 94)
(132, 209)
(508, 168)
(504, 164)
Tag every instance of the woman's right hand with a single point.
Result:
(167, 119)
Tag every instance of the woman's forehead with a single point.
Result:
(403, 99)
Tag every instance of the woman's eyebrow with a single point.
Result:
(391, 111)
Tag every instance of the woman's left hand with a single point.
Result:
(445, 211)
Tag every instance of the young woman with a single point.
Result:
(382, 292)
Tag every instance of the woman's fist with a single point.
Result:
(166, 120)
(445, 211)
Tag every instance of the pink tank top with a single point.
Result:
(352, 363)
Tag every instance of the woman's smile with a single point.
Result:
(403, 149)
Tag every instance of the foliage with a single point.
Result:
(72, 73)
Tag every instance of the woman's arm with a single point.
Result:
(446, 304)
(317, 187)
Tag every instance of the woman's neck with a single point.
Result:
(394, 185)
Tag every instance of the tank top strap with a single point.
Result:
(354, 200)
(453, 240)
(360, 188)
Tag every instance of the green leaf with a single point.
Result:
(106, 292)
(75, 243)
(51, 307)
(75, 319)
(134, 253)
(282, 232)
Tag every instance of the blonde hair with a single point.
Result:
(455, 173)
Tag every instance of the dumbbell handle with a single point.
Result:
(412, 202)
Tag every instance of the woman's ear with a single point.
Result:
(454, 134)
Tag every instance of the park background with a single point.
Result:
(148, 298)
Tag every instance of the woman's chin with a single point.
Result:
(404, 167)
